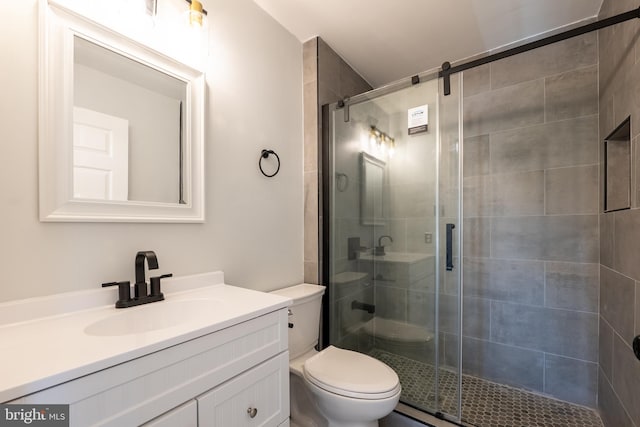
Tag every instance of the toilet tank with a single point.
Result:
(305, 317)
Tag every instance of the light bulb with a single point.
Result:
(392, 147)
(196, 14)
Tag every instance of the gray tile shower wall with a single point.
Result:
(311, 135)
(504, 364)
(561, 379)
(531, 220)
(327, 78)
(619, 89)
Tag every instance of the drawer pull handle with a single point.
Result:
(252, 412)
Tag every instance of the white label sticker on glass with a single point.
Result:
(418, 119)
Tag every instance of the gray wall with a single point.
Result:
(327, 78)
(253, 229)
(530, 221)
(619, 373)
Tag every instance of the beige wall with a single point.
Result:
(619, 86)
(253, 230)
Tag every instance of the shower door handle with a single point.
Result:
(450, 228)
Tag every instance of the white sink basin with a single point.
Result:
(82, 332)
(152, 317)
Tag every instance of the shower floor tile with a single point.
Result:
(485, 404)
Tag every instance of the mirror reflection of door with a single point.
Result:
(151, 101)
(100, 156)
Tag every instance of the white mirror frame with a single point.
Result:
(58, 27)
(371, 216)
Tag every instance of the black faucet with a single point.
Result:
(379, 250)
(140, 287)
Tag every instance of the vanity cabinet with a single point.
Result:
(217, 379)
(183, 416)
(248, 399)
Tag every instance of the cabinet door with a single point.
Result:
(183, 416)
(258, 397)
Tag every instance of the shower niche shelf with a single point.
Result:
(617, 168)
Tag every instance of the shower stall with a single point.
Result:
(395, 235)
(461, 231)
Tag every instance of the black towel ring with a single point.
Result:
(265, 154)
(342, 182)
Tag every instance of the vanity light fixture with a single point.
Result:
(392, 147)
(374, 134)
(381, 142)
(196, 13)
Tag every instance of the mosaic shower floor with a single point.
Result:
(485, 404)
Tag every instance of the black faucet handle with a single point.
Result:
(155, 285)
(124, 292)
(140, 290)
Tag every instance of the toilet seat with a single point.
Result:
(351, 374)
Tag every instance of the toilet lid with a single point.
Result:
(351, 374)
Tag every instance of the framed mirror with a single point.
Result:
(617, 168)
(121, 127)
(371, 190)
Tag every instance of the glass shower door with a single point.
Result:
(449, 269)
(392, 185)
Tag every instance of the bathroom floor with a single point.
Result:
(485, 404)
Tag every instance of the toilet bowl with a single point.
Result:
(333, 387)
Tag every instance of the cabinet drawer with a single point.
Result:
(184, 416)
(259, 397)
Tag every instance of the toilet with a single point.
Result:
(332, 387)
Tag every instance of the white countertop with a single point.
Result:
(40, 351)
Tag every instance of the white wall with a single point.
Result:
(154, 130)
(253, 230)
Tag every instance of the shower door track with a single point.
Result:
(447, 70)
